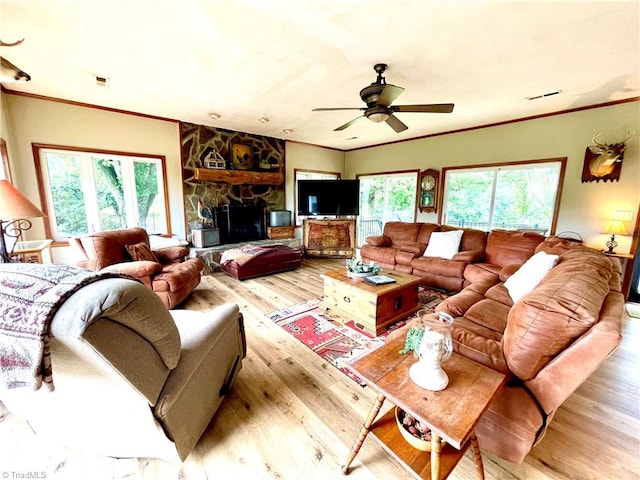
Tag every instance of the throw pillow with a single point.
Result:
(529, 275)
(444, 244)
(141, 251)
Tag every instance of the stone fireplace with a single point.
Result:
(238, 199)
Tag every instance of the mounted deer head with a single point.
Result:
(601, 160)
(8, 71)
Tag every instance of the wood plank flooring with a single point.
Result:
(291, 415)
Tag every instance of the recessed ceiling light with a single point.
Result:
(550, 94)
(287, 131)
(215, 116)
(263, 120)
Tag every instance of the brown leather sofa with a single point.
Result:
(480, 256)
(547, 343)
(402, 245)
(168, 271)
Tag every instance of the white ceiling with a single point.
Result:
(279, 59)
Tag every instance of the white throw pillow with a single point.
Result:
(528, 276)
(444, 244)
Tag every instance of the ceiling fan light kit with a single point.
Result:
(379, 97)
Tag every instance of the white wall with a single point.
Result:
(310, 157)
(584, 207)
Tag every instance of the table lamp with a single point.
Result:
(614, 227)
(15, 208)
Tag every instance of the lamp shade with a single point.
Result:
(13, 204)
(615, 227)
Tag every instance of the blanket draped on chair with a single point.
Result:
(30, 295)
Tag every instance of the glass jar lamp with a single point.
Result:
(434, 347)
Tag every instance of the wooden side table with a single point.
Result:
(32, 251)
(452, 413)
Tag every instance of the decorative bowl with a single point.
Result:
(356, 268)
(359, 274)
(415, 440)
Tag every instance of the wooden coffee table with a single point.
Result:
(373, 307)
(452, 413)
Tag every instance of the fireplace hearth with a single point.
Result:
(240, 223)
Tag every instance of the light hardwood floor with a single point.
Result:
(290, 415)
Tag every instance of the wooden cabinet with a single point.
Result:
(428, 191)
(329, 238)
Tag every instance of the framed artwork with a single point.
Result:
(241, 156)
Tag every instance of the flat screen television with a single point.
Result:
(328, 197)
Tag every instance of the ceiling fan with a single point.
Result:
(379, 96)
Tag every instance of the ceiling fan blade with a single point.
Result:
(395, 123)
(348, 124)
(427, 108)
(389, 94)
(333, 109)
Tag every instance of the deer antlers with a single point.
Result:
(4, 44)
(630, 134)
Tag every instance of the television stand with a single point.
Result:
(333, 238)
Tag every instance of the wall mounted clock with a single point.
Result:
(428, 193)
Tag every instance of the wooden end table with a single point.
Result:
(32, 251)
(452, 413)
(373, 307)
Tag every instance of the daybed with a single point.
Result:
(168, 271)
(548, 341)
(131, 378)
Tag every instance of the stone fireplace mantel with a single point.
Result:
(239, 177)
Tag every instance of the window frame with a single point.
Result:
(5, 174)
(492, 166)
(360, 176)
(44, 193)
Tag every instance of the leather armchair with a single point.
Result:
(168, 272)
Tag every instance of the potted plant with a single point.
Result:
(357, 268)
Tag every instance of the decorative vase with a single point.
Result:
(434, 348)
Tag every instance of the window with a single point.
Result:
(90, 191)
(385, 197)
(5, 173)
(299, 174)
(516, 196)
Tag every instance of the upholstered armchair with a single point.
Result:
(132, 379)
(168, 272)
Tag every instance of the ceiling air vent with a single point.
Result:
(102, 81)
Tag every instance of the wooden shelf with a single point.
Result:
(385, 431)
(239, 177)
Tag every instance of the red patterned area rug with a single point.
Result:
(335, 338)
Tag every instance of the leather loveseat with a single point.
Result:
(547, 342)
(132, 379)
(167, 271)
